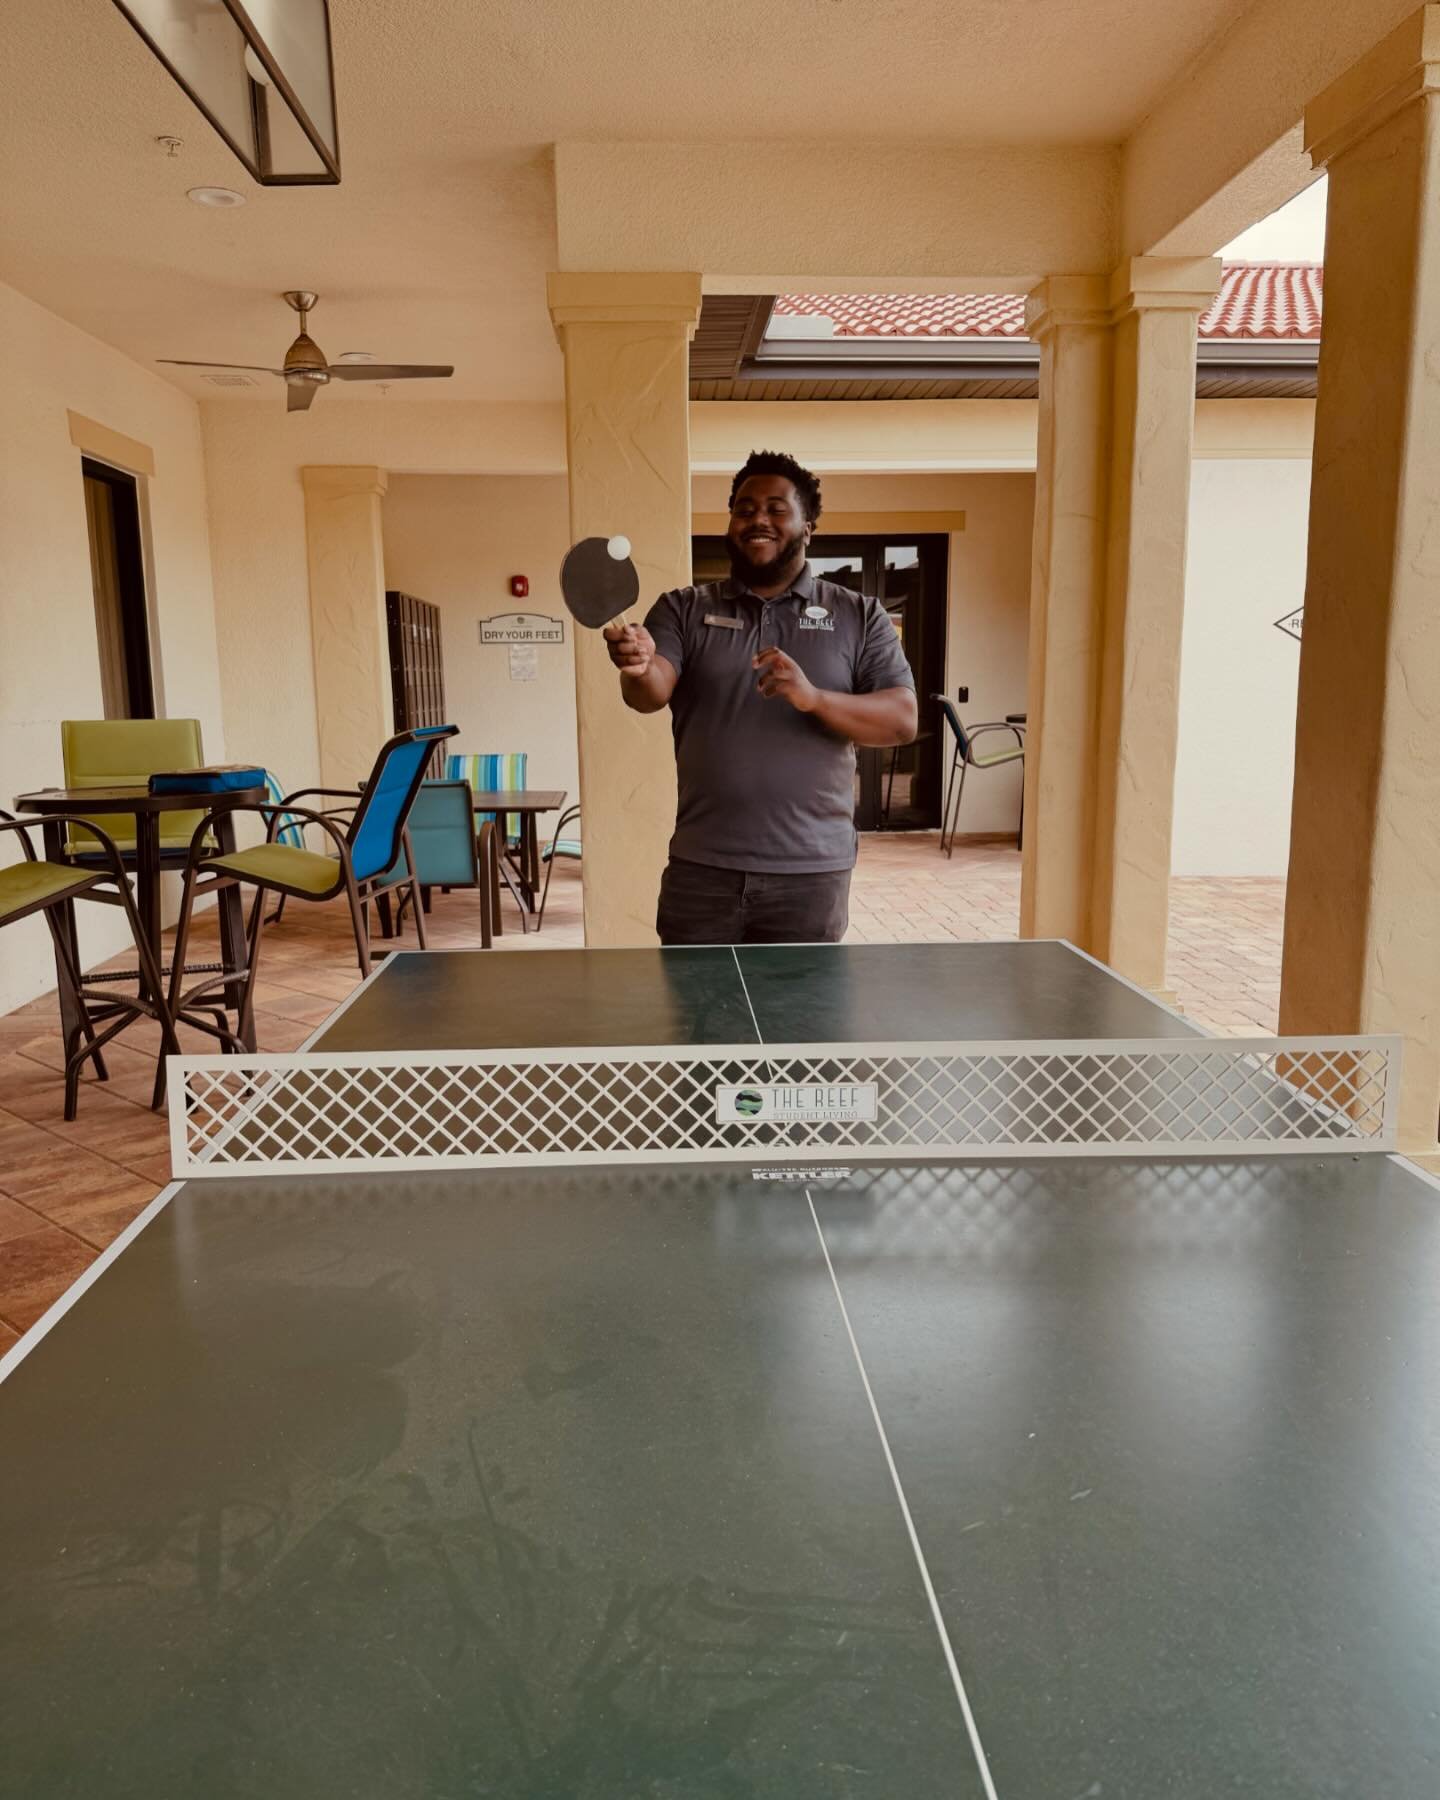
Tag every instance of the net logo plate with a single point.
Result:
(841, 1102)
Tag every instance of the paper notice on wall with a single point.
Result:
(524, 662)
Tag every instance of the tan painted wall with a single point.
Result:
(254, 455)
(455, 540)
(49, 665)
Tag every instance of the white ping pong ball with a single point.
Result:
(619, 548)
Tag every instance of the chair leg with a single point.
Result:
(246, 1027)
(177, 976)
(959, 796)
(387, 924)
(79, 1044)
(360, 924)
(417, 894)
(545, 891)
(945, 803)
(70, 939)
(279, 912)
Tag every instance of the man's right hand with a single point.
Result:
(631, 647)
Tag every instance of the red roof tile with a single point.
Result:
(1256, 300)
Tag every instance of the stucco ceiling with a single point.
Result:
(435, 245)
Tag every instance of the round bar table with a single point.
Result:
(147, 859)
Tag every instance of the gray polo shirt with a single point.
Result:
(764, 787)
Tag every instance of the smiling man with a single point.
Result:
(772, 678)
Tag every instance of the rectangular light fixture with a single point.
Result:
(262, 73)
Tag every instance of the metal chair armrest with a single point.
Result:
(268, 809)
(351, 795)
(974, 731)
(23, 826)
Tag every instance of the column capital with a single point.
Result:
(335, 481)
(1401, 68)
(600, 297)
(1066, 300)
(1163, 284)
(1141, 284)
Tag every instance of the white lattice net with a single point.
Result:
(476, 1110)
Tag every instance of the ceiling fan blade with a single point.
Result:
(389, 371)
(299, 394)
(180, 362)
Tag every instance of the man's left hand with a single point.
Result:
(782, 677)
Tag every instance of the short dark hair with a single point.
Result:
(775, 462)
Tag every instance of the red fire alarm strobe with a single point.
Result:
(520, 586)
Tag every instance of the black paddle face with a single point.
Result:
(597, 586)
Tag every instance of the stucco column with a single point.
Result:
(344, 546)
(627, 420)
(1155, 304)
(1117, 406)
(1069, 317)
(1362, 911)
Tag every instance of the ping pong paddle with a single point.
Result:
(598, 581)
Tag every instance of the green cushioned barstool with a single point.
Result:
(371, 856)
(35, 886)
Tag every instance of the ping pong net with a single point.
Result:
(383, 1111)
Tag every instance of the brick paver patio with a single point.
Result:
(67, 1190)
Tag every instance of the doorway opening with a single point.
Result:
(117, 575)
(910, 573)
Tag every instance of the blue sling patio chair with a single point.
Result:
(448, 853)
(368, 832)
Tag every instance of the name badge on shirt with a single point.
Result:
(726, 619)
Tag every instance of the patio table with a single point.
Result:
(529, 803)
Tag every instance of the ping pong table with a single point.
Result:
(1054, 1477)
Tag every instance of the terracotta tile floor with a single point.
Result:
(67, 1190)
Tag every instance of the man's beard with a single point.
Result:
(757, 574)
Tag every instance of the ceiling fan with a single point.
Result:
(305, 370)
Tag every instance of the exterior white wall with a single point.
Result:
(455, 540)
(1238, 673)
(49, 657)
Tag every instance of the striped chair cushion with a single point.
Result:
(489, 774)
(292, 832)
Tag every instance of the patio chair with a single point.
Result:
(368, 832)
(449, 853)
(33, 885)
(291, 832)
(967, 757)
(559, 845)
(497, 773)
(126, 753)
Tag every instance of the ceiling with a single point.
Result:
(435, 246)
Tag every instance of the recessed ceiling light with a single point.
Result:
(215, 196)
(356, 356)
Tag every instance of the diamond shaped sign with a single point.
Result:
(1291, 623)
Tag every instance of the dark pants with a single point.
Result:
(703, 905)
